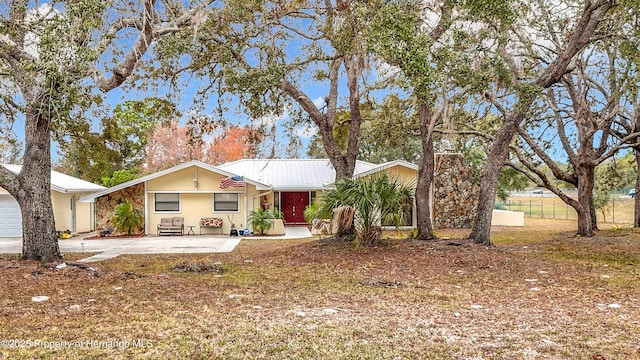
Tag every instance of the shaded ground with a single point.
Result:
(539, 293)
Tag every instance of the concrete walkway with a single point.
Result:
(292, 232)
(187, 244)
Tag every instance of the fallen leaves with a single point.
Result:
(306, 299)
(198, 267)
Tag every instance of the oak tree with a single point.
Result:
(296, 60)
(56, 60)
(533, 56)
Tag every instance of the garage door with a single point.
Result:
(10, 217)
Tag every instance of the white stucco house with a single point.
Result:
(69, 214)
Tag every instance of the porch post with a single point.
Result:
(146, 209)
(246, 225)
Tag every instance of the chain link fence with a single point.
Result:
(619, 209)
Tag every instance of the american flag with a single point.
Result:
(231, 181)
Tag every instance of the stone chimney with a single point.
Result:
(455, 196)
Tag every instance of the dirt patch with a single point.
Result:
(537, 294)
(198, 268)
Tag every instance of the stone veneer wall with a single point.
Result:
(455, 196)
(106, 204)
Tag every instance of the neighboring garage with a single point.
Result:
(10, 217)
(68, 213)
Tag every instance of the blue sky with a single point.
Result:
(184, 102)
(315, 90)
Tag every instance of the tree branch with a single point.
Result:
(148, 33)
(553, 166)
(444, 23)
(593, 12)
(332, 97)
(562, 133)
(8, 181)
(304, 101)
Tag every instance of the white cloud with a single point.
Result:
(272, 120)
(306, 131)
(319, 102)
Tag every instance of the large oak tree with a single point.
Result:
(57, 59)
(535, 56)
(301, 60)
(433, 44)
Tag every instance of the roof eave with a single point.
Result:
(386, 166)
(158, 174)
(299, 188)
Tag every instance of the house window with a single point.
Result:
(226, 202)
(276, 199)
(167, 202)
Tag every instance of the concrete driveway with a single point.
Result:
(187, 244)
(111, 248)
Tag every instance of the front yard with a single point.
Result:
(538, 294)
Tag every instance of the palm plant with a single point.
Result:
(260, 220)
(126, 217)
(377, 201)
(275, 213)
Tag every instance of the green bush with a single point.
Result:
(126, 218)
(275, 213)
(378, 200)
(261, 220)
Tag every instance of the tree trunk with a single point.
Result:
(489, 181)
(425, 178)
(355, 66)
(343, 163)
(585, 196)
(594, 213)
(39, 238)
(344, 166)
(636, 198)
(579, 38)
(584, 222)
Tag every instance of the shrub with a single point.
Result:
(261, 220)
(275, 213)
(376, 201)
(126, 218)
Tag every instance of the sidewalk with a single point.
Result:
(187, 244)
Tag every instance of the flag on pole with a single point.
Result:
(232, 181)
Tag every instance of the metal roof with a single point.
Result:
(276, 174)
(199, 164)
(385, 166)
(290, 174)
(63, 183)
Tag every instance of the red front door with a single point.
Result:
(293, 205)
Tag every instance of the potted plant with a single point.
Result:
(275, 214)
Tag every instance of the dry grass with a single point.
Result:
(539, 293)
(618, 211)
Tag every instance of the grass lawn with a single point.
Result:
(539, 293)
(619, 210)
